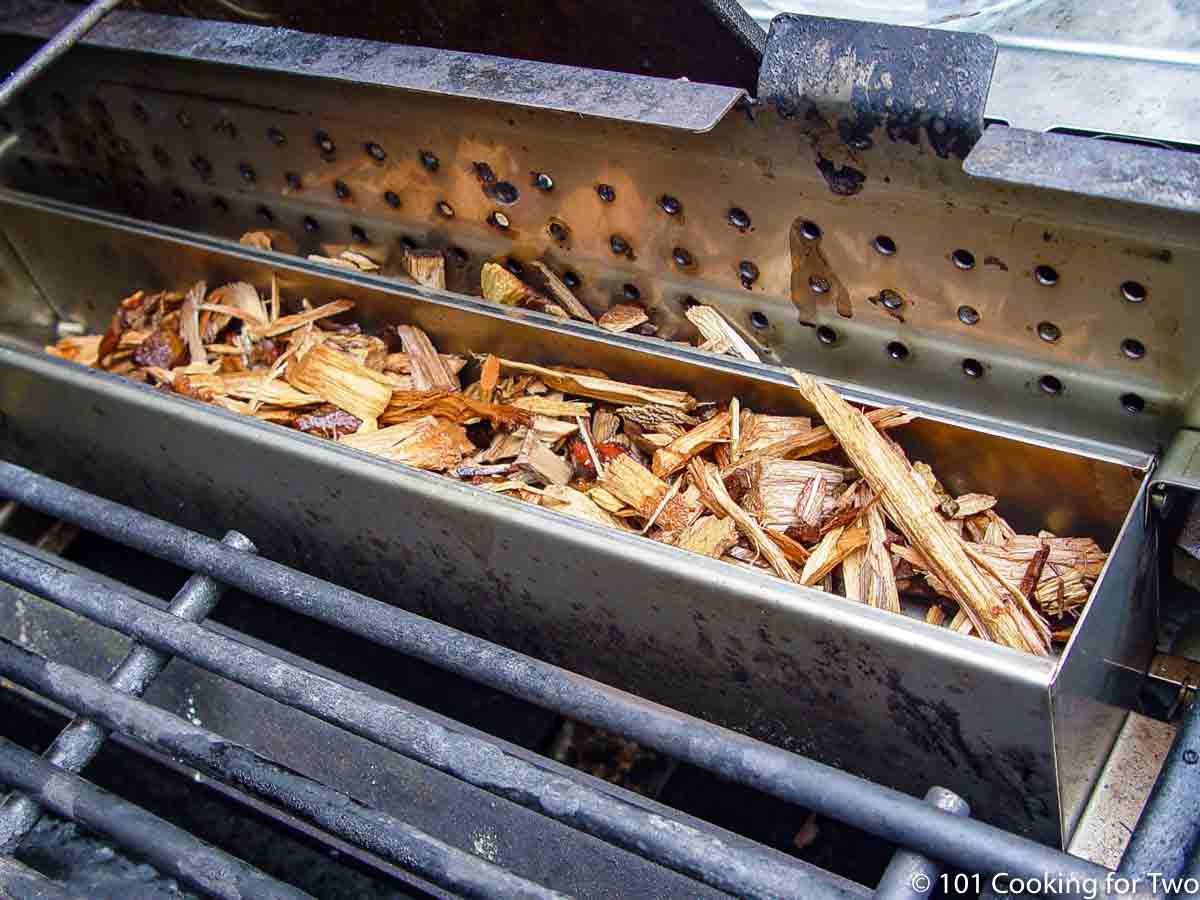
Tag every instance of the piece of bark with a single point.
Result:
(546, 406)
(576, 503)
(602, 388)
(428, 371)
(719, 336)
(537, 458)
(832, 549)
(819, 439)
(284, 324)
(714, 495)
(652, 417)
(427, 267)
(1033, 571)
(967, 505)
(162, 349)
(501, 286)
(994, 614)
(426, 443)
(673, 457)
(622, 317)
(639, 488)
(327, 422)
(562, 294)
(340, 380)
(709, 536)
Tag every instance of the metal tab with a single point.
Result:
(876, 84)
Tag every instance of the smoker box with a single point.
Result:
(831, 197)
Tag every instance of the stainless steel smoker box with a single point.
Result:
(831, 198)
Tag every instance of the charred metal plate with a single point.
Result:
(872, 84)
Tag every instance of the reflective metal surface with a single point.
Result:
(874, 693)
(223, 149)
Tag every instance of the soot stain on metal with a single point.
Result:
(845, 180)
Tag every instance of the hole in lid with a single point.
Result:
(457, 256)
(311, 225)
(759, 320)
(1133, 403)
(276, 137)
(220, 205)
(542, 181)
(484, 173)
(972, 368)
(445, 209)
(1133, 348)
(558, 230)
(506, 192)
(266, 215)
(1046, 275)
(890, 300)
(738, 218)
(139, 112)
(1133, 291)
(818, 284)
(964, 259)
(226, 127)
(571, 280)
(897, 350)
(514, 266)
(618, 245)
(392, 199)
(747, 273)
(184, 118)
(968, 315)
(160, 156)
(827, 335)
(810, 231)
(1048, 332)
(499, 220)
(682, 257)
(606, 192)
(293, 181)
(630, 291)
(358, 234)
(408, 243)
(428, 161)
(1050, 385)
(246, 171)
(341, 190)
(374, 151)
(687, 301)
(178, 197)
(884, 245)
(324, 143)
(670, 205)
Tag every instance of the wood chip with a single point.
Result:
(557, 289)
(603, 388)
(538, 459)
(675, 456)
(891, 476)
(340, 380)
(935, 615)
(428, 371)
(501, 286)
(546, 406)
(709, 536)
(623, 317)
(641, 489)
(605, 425)
(760, 431)
(713, 494)
(82, 349)
(652, 417)
(256, 386)
(427, 267)
(426, 443)
(284, 324)
(719, 335)
(819, 439)
(784, 492)
(241, 296)
(578, 504)
(967, 505)
(832, 549)
(489, 374)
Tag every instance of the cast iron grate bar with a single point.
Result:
(898, 818)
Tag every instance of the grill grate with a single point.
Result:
(932, 828)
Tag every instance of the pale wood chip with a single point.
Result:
(603, 388)
(340, 380)
(712, 491)
(961, 623)
(562, 294)
(427, 443)
(967, 505)
(935, 615)
(255, 387)
(335, 261)
(429, 374)
(546, 406)
(709, 536)
(605, 425)
(427, 267)
(501, 286)
(284, 324)
(719, 335)
(189, 323)
(786, 492)
(607, 501)
(761, 431)
(641, 489)
(82, 349)
(623, 317)
(675, 456)
(819, 439)
(576, 503)
(243, 296)
(833, 548)
(537, 458)
(359, 261)
(489, 375)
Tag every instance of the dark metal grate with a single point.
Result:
(931, 830)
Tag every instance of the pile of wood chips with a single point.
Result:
(835, 506)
